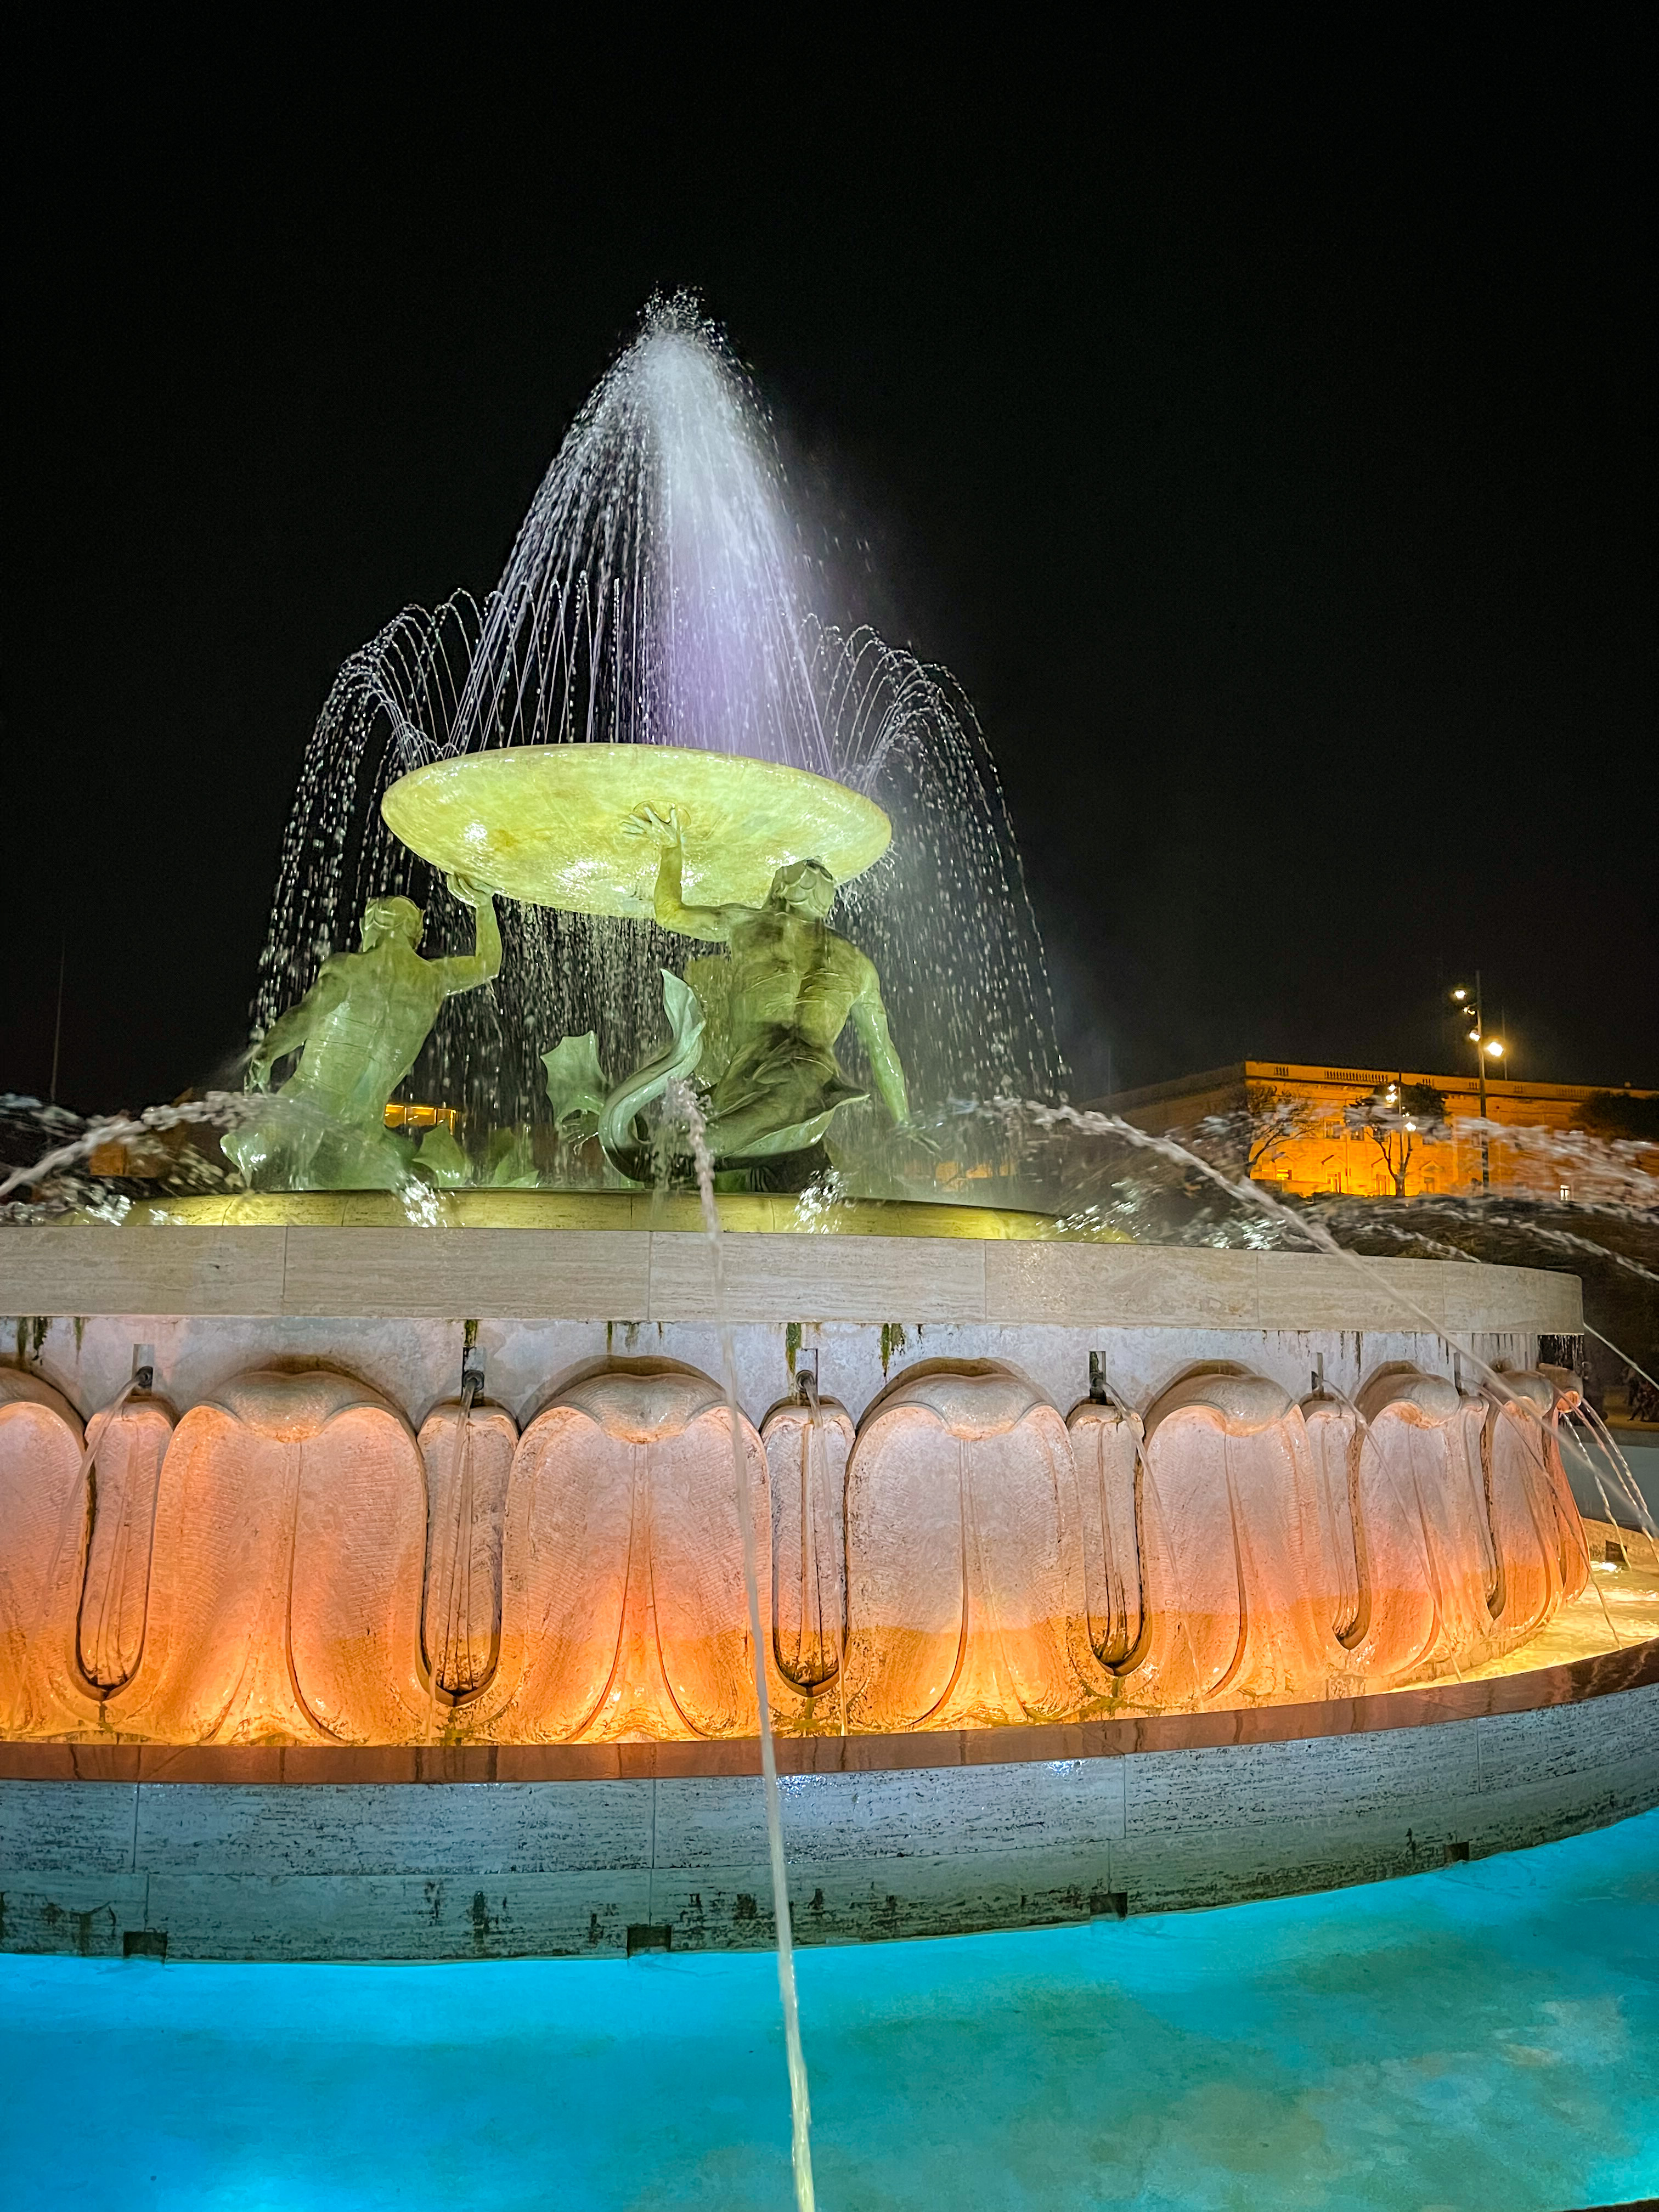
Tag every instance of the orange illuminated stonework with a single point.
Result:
(1306, 1137)
(288, 1561)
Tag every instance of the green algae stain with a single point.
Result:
(31, 1336)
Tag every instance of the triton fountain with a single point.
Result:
(1088, 1574)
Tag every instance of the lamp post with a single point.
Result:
(1486, 1048)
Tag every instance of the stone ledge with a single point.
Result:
(583, 1275)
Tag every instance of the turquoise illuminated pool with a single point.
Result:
(1487, 2036)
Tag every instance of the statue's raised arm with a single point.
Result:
(465, 971)
(712, 924)
(359, 1031)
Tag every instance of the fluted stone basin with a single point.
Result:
(299, 1545)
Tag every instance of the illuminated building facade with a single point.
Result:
(1351, 1130)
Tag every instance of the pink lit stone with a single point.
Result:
(1333, 1428)
(806, 1457)
(1105, 1445)
(1432, 1564)
(125, 1473)
(1540, 1537)
(285, 1593)
(623, 1611)
(1240, 1577)
(467, 1465)
(43, 1547)
(965, 1596)
(1393, 1618)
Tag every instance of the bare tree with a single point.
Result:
(1395, 1116)
(1272, 1119)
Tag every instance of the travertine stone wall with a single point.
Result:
(583, 1868)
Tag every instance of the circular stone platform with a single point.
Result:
(739, 1211)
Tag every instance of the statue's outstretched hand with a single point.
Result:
(645, 822)
(465, 891)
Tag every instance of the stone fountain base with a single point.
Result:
(295, 1675)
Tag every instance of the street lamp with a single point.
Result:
(1486, 1048)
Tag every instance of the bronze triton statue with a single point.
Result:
(359, 1030)
(759, 1028)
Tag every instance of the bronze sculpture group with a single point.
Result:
(755, 1028)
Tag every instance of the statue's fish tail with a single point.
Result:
(674, 1063)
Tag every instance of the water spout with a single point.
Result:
(685, 1106)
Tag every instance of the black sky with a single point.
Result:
(1263, 435)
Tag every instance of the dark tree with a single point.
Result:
(1394, 1116)
(1616, 1113)
(1272, 1119)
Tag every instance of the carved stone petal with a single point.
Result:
(43, 1537)
(1189, 1561)
(1524, 1523)
(976, 1398)
(1398, 1617)
(806, 1458)
(126, 1472)
(1428, 1401)
(965, 1587)
(645, 1401)
(1243, 1403)
(1333, 1432)
(1104, 1446)
(216, 1664)
(358, 1551)
(1432, 1561)
(1550, 1502)
(467, 1468)
(623, 1611)
(285, 1585)
(289, 1407)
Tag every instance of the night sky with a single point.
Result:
(1265, 440)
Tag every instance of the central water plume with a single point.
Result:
(660, 591)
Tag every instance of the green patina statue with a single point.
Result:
(789, 989)
(759, 1028)
(359, 1030)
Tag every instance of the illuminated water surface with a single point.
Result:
(1488, 2036)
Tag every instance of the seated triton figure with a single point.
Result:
(358, 1030)
(789, 988)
